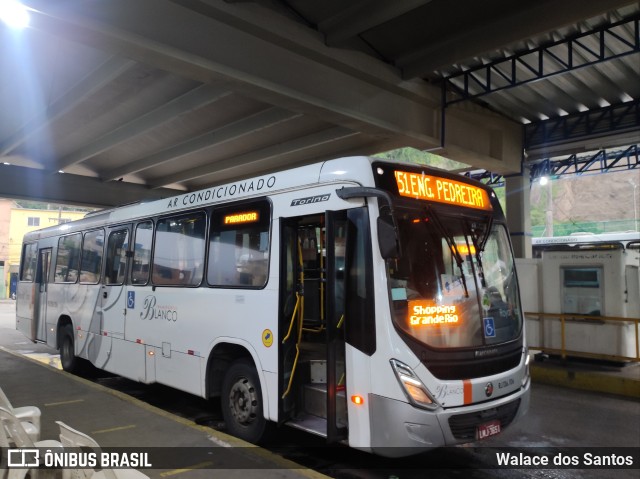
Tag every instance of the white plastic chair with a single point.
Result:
(71, 438)
(13, 433)
(4, 445)
(30, 415)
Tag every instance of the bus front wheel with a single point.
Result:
(68, 357)
(241, 401)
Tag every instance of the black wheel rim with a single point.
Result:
(243, 401)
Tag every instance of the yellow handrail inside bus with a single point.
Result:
(322, 292)
(300, 315)
(293, 317)
(314, 330)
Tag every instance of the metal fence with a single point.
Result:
(565, 318)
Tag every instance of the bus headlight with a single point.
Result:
(416, 392)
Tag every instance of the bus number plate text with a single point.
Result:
(488, 429)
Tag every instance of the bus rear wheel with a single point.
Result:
(68, 359)
(241, 401)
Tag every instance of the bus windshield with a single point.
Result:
(454, 285)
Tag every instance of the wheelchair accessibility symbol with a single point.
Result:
(489, 328)
(131, 299)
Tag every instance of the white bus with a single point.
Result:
(372, 303)
(585, 241)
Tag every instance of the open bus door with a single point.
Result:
(311, 333)
(13, 285)
(336, 249)
(39, 324)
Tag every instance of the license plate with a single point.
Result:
(488, 429)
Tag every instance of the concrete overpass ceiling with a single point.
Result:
(144, 99)
(529, 61)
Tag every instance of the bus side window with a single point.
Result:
(91, 257)
(239, 245)
(142, 253)
(29, 261)
(68, 258)
(179, 250)
(116, 257)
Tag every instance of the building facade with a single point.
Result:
(15, 222)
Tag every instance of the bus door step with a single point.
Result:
(309, 423)
(315, 401)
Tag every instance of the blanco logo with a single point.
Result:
(150, 310)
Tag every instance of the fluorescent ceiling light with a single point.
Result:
(14, 14)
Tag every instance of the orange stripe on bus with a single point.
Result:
(467, 391)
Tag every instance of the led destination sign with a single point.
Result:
(425, 313)
(244, 217)
(441, 190)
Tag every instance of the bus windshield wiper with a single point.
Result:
(478, 247)
(485, 238)
(451, 243)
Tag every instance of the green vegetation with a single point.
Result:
(417, 157)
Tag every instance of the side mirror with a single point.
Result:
(388, 237)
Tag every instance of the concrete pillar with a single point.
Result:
(517, 190)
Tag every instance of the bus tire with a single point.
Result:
(68, 359)
(241, 401)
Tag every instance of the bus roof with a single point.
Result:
(578, 238)
(356, 170)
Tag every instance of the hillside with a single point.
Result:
(605, 199)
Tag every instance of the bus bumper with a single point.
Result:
(422, 430)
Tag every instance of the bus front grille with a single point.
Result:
(469, 368)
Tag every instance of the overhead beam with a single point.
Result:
(599, 122)
(235, 172)
(582, 50)
(361, 16)
(260, 156)
(604, 161)
(192, 100)
(484, 140)
(232, 131)
(94, 81)
(268, 57)
(528, 20)
(487, 177)
(38, 185)
(215, 42)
